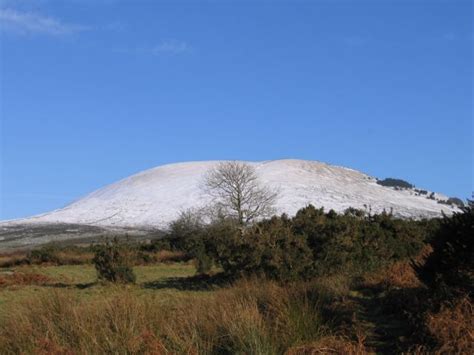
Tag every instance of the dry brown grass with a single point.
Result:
(13, 259)
(448, 330)
(77, 256)
(71, 258)
(399, 275)
(332, 345)
(163, 256)
(58, 322)
(451, 330)
(253, 316)
(166, 256)
(61, 257)
(23, 279)
(453, 327)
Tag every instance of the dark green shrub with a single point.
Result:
(188, 227)
(142, 257)
(311, 243)
(163, 243)
(450, 267)
(455, 202)
(46, 254)
(268, 249)
(191, 235)
(204, 261)
(355, 242)
(391, 182)
(113, 263)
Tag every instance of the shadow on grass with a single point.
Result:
(191, 283)
(80, 286)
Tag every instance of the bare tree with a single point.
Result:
(236, 187)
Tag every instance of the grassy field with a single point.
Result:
(63, 309)
(161, 280)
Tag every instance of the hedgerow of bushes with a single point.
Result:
(313, 242)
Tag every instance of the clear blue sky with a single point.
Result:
(93, 91)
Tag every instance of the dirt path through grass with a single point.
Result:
(386, 331)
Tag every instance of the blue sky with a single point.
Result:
(93, 91)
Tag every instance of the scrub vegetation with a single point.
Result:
(319, 282)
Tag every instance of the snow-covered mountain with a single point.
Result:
(155, 197)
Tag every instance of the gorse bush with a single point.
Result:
(314, 242)
(269, 249)
(450, 267)
(356, 242)
(112, 262)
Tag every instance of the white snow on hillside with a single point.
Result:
(155, 197)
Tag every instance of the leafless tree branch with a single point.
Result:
(236, 188)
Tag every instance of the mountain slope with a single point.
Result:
(155, 197)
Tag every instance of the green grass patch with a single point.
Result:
(81, 281)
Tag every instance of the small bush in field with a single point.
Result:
(113, 263)
(190, 234)
(47, 254)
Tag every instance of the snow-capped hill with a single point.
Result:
(155, 197)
